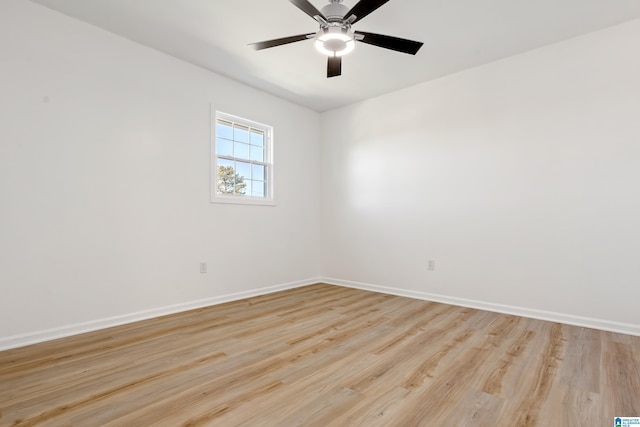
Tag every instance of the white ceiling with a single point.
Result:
(457, 34)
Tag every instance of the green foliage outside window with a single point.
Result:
(229, 182)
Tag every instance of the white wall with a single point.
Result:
(519, 178)
(104, 182)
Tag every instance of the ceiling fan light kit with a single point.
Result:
(335, 41)
(335, 38)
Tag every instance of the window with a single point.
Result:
(242, 161)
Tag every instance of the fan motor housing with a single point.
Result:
(334, 12)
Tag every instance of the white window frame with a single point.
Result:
(268, 200)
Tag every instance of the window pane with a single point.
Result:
(226, 177)
(241, 133)
(241, 188)
(243, 169)
(257, 188)
(224, 147)
(257, 138)
(225, 163)
(257, 154)
(241, 150)
(247, 187)
(257, 172)
(224, 130)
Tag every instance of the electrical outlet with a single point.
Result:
(431, 264)
(203, 267)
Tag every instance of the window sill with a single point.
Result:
(243, 200)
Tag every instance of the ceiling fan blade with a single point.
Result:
(334, 66)
(388, 42)
(363, 8)
(278, 42)
(307, 8)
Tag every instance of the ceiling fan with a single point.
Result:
(335, 38)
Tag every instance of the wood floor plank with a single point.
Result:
(474, 409)
(380, 410)
(325, 355)
(582, 359)
(620, 375)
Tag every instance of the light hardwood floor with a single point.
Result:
(323, 355)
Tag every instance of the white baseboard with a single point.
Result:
(588, 322)
(15, 341)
